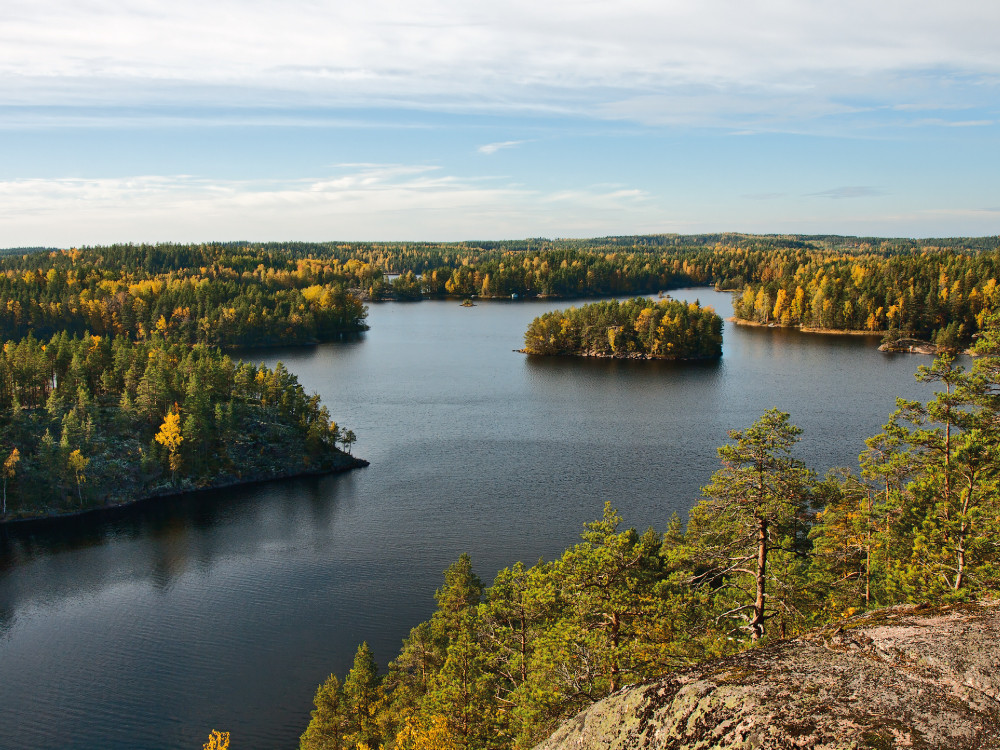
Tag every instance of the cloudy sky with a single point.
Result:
(145, 120)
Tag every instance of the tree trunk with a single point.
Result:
(757, 622)
(615, 625)
(868, 553)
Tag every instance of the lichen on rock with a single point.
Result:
(902, 677)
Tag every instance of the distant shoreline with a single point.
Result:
(341, 465)
(805, 329)
(902, 346)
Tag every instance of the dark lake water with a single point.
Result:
(148, 627)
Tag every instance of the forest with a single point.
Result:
(636, 328)
(117, 382)
(770, 550)
(91, 421)
(114, 386)
(219, 295)
(941, 297)
(108, 348)
(259, 294)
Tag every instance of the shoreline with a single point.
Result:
(340, 466)
(805, 329)
(633, 356)
(911, 346)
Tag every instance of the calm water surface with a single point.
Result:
(148, 627)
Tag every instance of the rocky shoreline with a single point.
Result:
(900, 346)
(340, 464)
(630, 355)
(804, 329)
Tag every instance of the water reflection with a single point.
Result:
(171, 534)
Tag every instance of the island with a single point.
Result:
(635, 329)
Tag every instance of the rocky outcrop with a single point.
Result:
(904, 677)
(909, 346)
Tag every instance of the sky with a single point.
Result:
(445, 120)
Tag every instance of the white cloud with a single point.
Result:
(656, 61)
(492, 148)
(400, 202)
(390, 202)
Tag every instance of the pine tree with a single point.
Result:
(951, 517)
(457, 598)
(753, 516)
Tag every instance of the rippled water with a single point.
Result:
(148, 627)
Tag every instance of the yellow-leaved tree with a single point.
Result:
(9, 468)
(217, 741)
(170, 437)
(77, 463)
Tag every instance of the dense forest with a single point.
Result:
(113, 386)
(92, 421)
(770, 550)
(259, 294)
(944, 297)
(937, 290)
(83, 413)
(636, 328)
(220, 295)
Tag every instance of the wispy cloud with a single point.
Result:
(367, 201)
(492, 148)
(944, 123)
(729, 63)
(848, 191)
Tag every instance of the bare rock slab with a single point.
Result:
(903, 677)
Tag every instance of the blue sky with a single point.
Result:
(140, 120)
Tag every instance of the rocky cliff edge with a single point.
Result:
(903, 677)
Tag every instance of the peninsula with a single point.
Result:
(93, 422)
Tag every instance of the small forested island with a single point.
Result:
(635, 329)
(771, 551)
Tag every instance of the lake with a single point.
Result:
(148, 627)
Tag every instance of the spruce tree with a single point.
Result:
(328, 725)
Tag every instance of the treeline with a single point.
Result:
(943, 297)
(770, 550)
(219, 295)
(244, 294)
(636, 328)
(547, 273)
(939, 289)
(92, 421)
